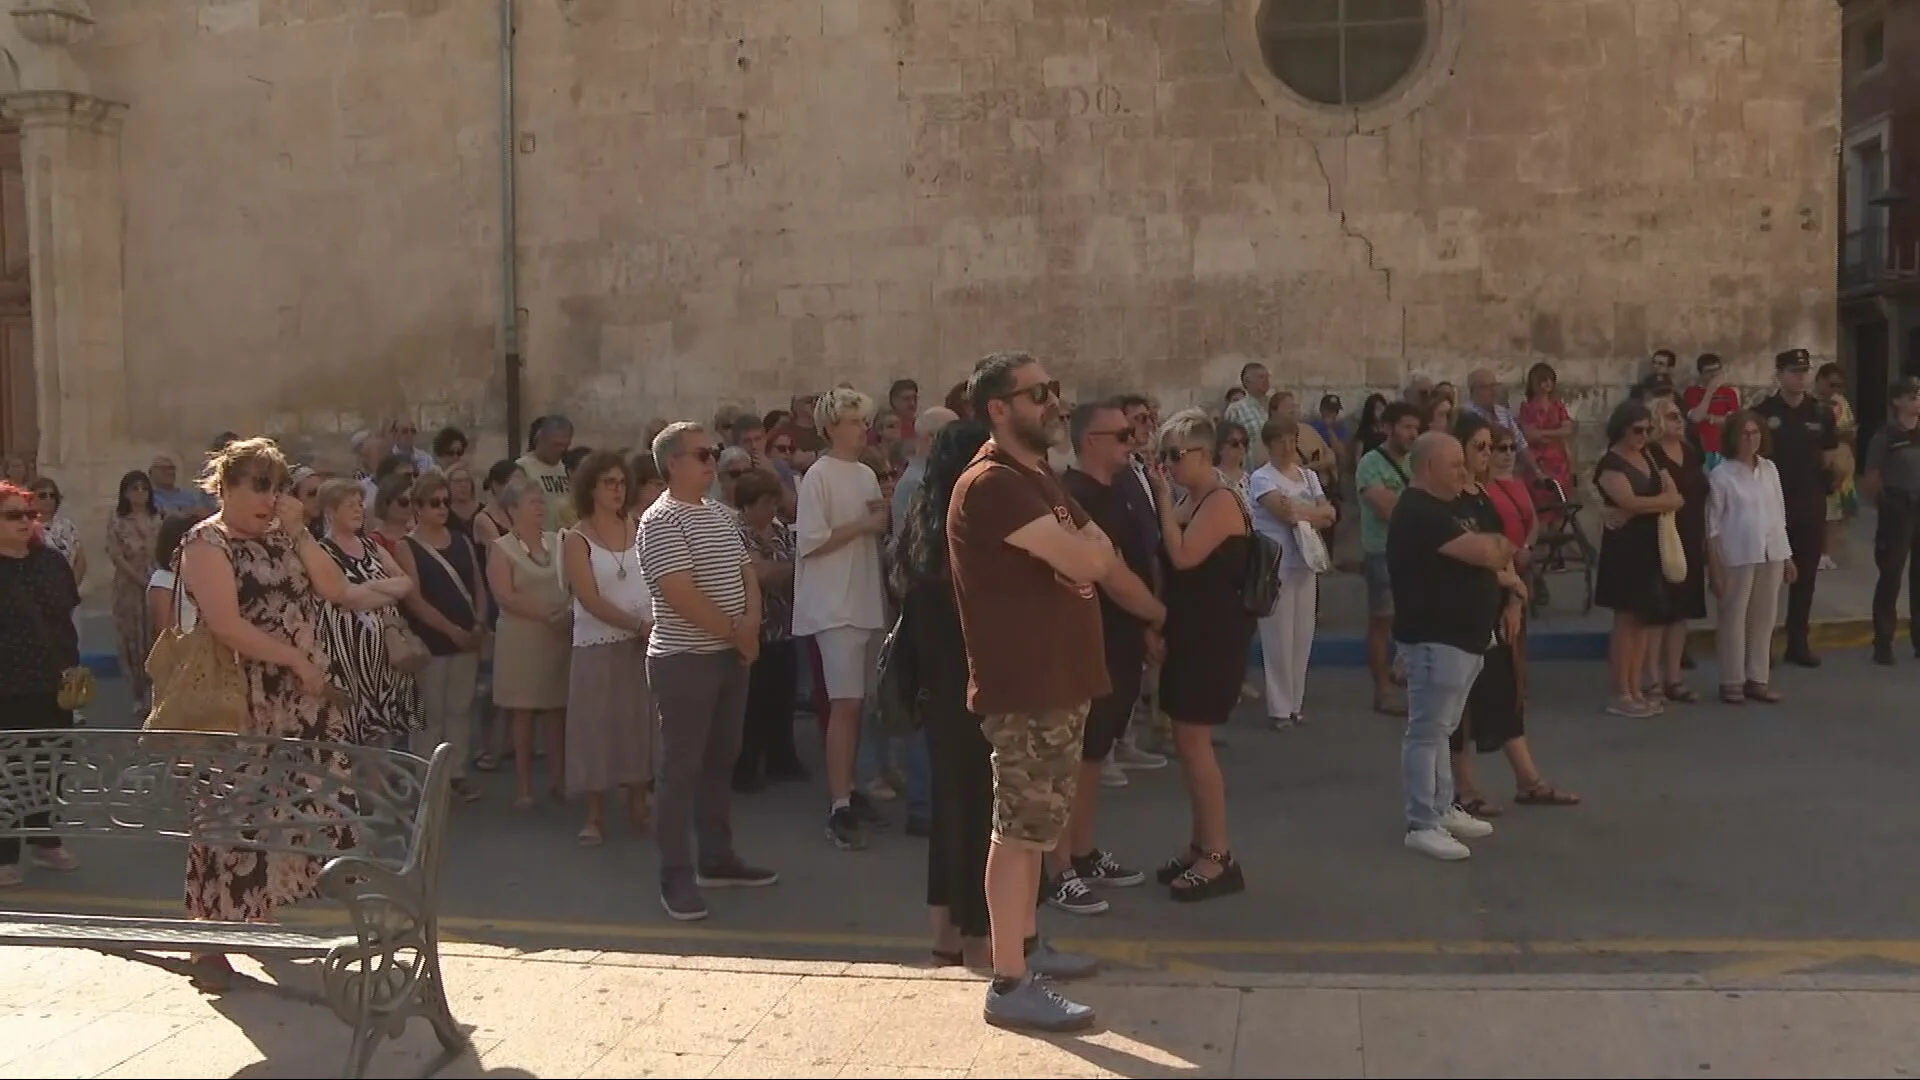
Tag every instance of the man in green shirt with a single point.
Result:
(1380, 477)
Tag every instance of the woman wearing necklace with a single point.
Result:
(609, 721)
(535, 636)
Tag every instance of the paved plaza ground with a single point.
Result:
(1737, 893)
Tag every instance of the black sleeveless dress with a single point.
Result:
(1208, 634)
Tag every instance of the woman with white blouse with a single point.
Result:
(1284, 493)
(1748, 556)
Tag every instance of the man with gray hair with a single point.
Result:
(1448, 587)
(926, 426)
(706, 635)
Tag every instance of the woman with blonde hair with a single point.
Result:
(535, 637)
(257, 578)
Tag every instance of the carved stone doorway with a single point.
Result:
(19, 393)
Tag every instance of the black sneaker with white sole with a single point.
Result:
(1099, 867)
(845, 831)
(1069, 893)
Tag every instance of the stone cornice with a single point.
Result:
(62, 108)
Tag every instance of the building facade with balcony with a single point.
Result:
(1880, 198)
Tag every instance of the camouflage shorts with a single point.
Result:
(1036, 760)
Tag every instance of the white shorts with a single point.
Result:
(847, 658)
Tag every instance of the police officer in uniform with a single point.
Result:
(1892, 482)
(1805, 443)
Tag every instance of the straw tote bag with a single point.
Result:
(197, 682)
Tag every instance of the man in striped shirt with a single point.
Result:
(706, 635)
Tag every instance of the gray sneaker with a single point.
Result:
(1054, 964)
(1032, 1005)
(682, 901)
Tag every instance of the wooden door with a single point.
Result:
(19, 398)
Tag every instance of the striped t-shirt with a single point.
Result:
(702, 537)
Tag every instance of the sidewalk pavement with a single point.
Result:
(70, 1013)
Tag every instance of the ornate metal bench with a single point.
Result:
(271, 796)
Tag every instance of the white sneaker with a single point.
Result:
(1112, 775)
(1464, 825)
(1128, 756)
(1438, 843)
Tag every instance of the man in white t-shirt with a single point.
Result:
(552, 435)
(837, 594)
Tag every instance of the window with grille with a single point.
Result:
(1347, 53)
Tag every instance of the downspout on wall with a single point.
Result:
(509, 284)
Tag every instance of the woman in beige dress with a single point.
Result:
(535, 637)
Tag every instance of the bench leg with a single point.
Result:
(439, 1012)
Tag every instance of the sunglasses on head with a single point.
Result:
(1038, 393)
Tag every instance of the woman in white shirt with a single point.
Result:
(1748, 556)
(1284, 493)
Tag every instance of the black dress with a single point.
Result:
(1689, 598)
(1496, 710)
(1208, 633)
(1629, 578)
(959, 760)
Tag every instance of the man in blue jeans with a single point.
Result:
(1449, 587)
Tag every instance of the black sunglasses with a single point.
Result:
(1038, 393)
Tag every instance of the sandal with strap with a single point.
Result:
(1178, 865)
(1733, 695)
(1194, 885)
(1762, 693)
(1545, 794)
(1481, 808)
(1680, 694)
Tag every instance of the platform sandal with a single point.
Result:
(1177, 865)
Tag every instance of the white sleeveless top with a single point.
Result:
(626, 591)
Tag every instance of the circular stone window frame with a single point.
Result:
(1433, 68)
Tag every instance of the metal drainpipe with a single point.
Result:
(509, 286)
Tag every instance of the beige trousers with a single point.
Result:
(1744, 638)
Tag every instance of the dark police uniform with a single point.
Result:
(1803, 433)
(1894, 455)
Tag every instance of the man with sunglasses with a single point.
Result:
(1025, 559)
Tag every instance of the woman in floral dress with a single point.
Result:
(131, 533)
(258, 578)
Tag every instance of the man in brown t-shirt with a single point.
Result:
(1024, 558)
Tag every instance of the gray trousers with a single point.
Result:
(702, 702)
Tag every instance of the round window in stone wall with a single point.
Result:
(1342, 53)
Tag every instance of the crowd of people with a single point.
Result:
(992, 609)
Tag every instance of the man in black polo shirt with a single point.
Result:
(1805, 445)
(1892, 483)
(1130, 621)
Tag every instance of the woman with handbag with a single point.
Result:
(447, 610)
(252, 665)
(535, 638)
(38, 647)
(1494, 720)
(1291, 507)
(1629, 580)
(1678, 457)
(374, 654)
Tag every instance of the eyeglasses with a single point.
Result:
(1237, 444)
(1124, 435)
(435, 503)
(1503, 448)
(1171, 454)
(1038, 393)
(403, 502)
(263, 484)
(1641, 429)
(705, 455)
(51, 495)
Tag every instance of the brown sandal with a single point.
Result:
(1545, 794)
(1481, 808)
(1762, 693)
